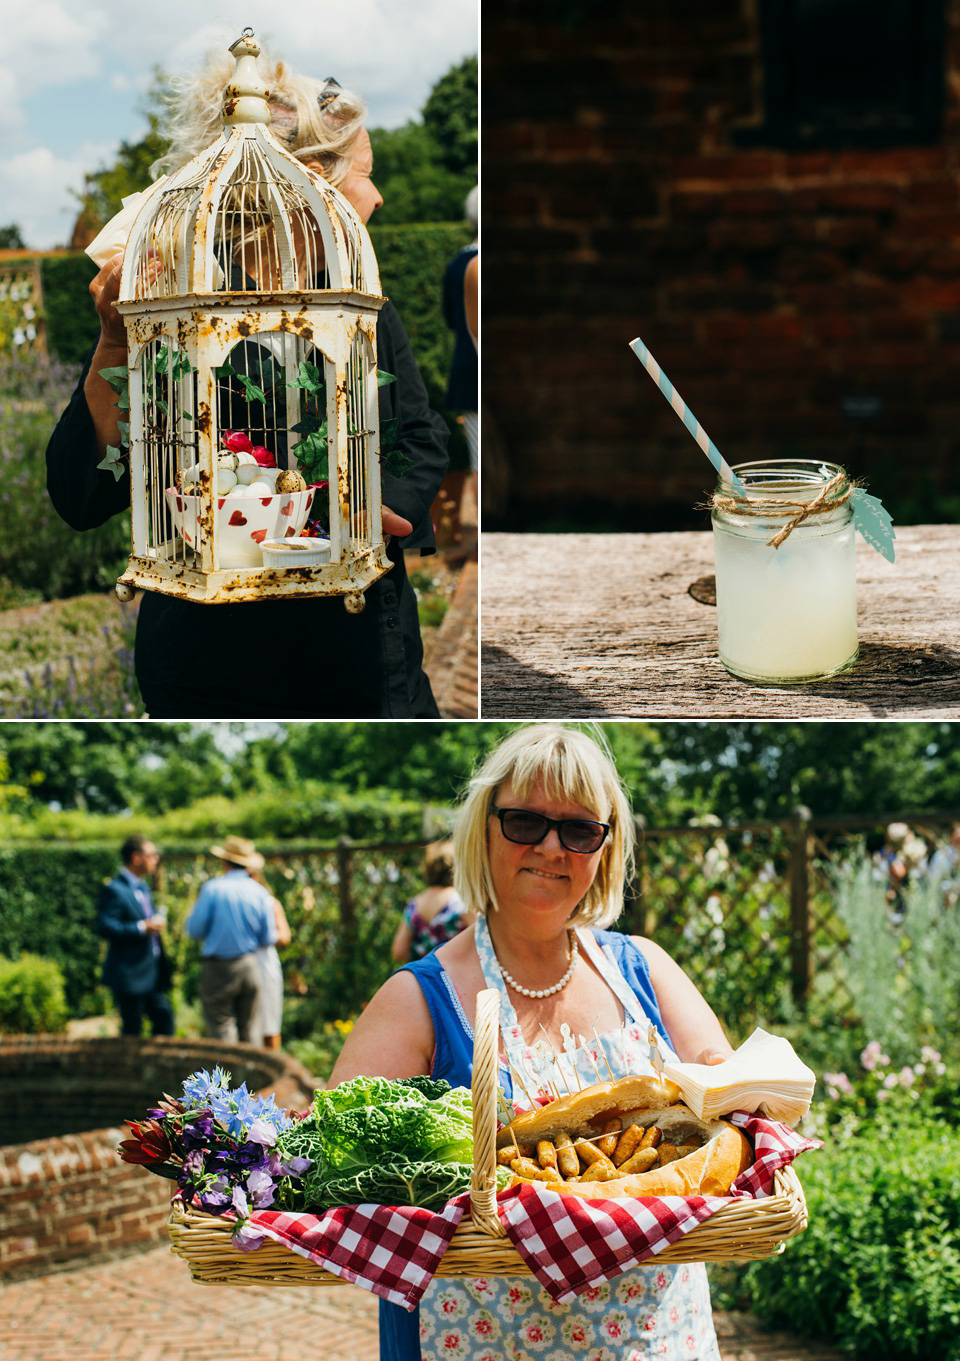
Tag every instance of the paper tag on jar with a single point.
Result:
(873, 522)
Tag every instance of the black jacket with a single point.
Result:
(281, 658)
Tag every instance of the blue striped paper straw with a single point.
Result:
(686, 415)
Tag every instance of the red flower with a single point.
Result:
(148, 1145)
(262, 455)
(237, 442)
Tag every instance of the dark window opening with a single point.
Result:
(850, 73)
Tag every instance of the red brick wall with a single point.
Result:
(770, 285)
(68, 1195)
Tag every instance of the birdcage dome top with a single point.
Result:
(245, 216)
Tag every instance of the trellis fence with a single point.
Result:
(747, 909)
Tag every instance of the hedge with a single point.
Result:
(412, 260)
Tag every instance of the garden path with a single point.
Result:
(143, 1307)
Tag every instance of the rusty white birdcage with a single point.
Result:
(250, 294)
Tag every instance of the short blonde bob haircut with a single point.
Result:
(570, 764)
(194, 115)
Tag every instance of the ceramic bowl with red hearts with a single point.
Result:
(243, 522)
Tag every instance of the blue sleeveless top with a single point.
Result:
(453, 1060)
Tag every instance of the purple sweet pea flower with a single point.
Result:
(239, 1202)
(263, 1133)
(261, 1187)
(247, 1238)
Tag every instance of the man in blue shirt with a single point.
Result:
(234, 918)
(136, 969)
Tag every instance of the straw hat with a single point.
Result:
(239, 851)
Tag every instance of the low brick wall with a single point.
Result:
(64, 1192)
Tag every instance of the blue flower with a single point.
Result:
(201, 1086)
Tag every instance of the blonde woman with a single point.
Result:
(359, 666)
(542, 850)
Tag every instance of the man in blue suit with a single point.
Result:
(136, 969)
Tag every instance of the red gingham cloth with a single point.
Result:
(572, 1245)
(393, 1250)
(569, 1244)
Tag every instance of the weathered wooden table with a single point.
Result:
(610, 626)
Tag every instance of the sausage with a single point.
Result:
(652, 1137)
(668, 1153)
(505, 1156)
(627, 1144)
(546, 1154)
(567, 1161)
(600, 1170)
(588, 1152)
(611, 1137)
(642, 1161)
(531, 1171)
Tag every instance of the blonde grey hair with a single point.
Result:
(570, 764)
(194, 111)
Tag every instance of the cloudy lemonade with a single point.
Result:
(787, 613)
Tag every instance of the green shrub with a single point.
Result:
(71, 318)
(878, 1268)
(32, 999)
(38, 552)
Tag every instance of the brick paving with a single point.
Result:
(452, 660)
(145, 1307)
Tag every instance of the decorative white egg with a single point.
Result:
(262, 488)
(226, 481)
(248, 472)
(190, 476)
(241, 490)
(244, 459)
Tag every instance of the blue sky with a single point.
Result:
(73, 75)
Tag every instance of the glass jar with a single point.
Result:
(785, 614)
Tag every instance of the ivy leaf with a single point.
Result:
(181, 365)
(123, 400)
(874, 522)
(250, 389)
(118, 378)
(308, 378)
(385, 379)
(312, 457)
(397, 463)
(160, 360)
(225, 371)
(388, 432)
(310, 425)
(112, 461)
(124, 428)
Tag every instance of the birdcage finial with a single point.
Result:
(245, 98)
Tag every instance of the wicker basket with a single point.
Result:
(742, 1230)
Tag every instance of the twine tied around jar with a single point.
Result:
(825, 501)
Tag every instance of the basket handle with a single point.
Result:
(486, 1046)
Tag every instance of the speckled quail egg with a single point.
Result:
(291, 480)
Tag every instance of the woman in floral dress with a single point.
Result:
(542, 850)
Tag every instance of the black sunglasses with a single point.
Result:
(528, 829)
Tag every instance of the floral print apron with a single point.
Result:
(649, 1311)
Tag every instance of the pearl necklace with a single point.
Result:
(545, 992)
